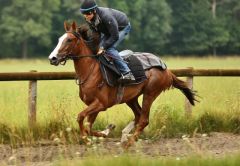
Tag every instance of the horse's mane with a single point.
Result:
(90, 37)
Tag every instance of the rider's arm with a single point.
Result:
(112, 26)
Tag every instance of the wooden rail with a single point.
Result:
(26, 76)
(35, 76)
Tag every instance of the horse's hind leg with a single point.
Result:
(136, 108)
(144, 117)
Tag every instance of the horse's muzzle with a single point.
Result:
(54, 61)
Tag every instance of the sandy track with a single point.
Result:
(216, 144)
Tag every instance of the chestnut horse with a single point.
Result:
(97, 95)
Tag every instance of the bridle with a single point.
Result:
(70, 56)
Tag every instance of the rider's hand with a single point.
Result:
(100, 51)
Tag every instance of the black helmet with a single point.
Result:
(88, 5)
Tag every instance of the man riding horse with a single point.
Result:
(114, 26)
(93, 88)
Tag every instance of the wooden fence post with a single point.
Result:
(188, 106)
(32, 102)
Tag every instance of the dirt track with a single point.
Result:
(216, 144)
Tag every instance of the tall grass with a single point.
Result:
(58, 104)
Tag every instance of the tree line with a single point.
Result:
(166, 27)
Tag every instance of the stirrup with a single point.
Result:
(127, 78)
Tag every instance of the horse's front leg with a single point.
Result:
(93, 109)
(91, 118)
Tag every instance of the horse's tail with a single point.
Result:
(181, 85)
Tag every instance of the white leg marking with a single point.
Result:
(127, 130)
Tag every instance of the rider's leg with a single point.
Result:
(121, 65)
(122, 35)
(118, 60)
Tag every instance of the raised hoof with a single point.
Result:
(98, 134)
(108, 129)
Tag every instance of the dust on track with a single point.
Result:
(44, 153)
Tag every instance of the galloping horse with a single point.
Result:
(99, 96)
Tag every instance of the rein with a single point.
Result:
(74, 57)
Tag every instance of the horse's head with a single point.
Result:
(67, 45)
(74, 43)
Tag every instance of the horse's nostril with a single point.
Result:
(54, 58)
(54, 61)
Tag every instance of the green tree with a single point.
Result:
(150, 22)
(155, 25)
(188, 27)
(4, 49)
(23, 20)
(219, 33)
(228, 11)
(195, 29)
(158, 26)
(68, 11)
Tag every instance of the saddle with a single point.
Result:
(137, 63)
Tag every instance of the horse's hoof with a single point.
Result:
(85, 140)
(108, 129)
(125, 137)
(126, 145)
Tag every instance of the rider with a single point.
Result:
(113, 26)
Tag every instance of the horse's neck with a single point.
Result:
(82, 66)
(87, 67)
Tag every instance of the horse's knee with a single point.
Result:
(144, 122)
(80, 117)
(136, 120)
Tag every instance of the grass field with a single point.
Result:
(147, 161)
(58, 103)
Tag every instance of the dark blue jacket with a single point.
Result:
(109, 22)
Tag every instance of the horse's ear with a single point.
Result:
(66, 26)
(74, 26)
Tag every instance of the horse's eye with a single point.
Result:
(69, 40)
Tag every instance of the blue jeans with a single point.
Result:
(113, 52)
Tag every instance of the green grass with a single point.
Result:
(142, 160)
(58, 103)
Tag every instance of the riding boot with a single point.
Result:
(127, 78)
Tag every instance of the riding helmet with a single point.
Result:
(88, 5)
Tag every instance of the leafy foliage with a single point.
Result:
(159, 26)
(23, 20)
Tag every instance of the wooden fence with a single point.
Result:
(35, 76)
